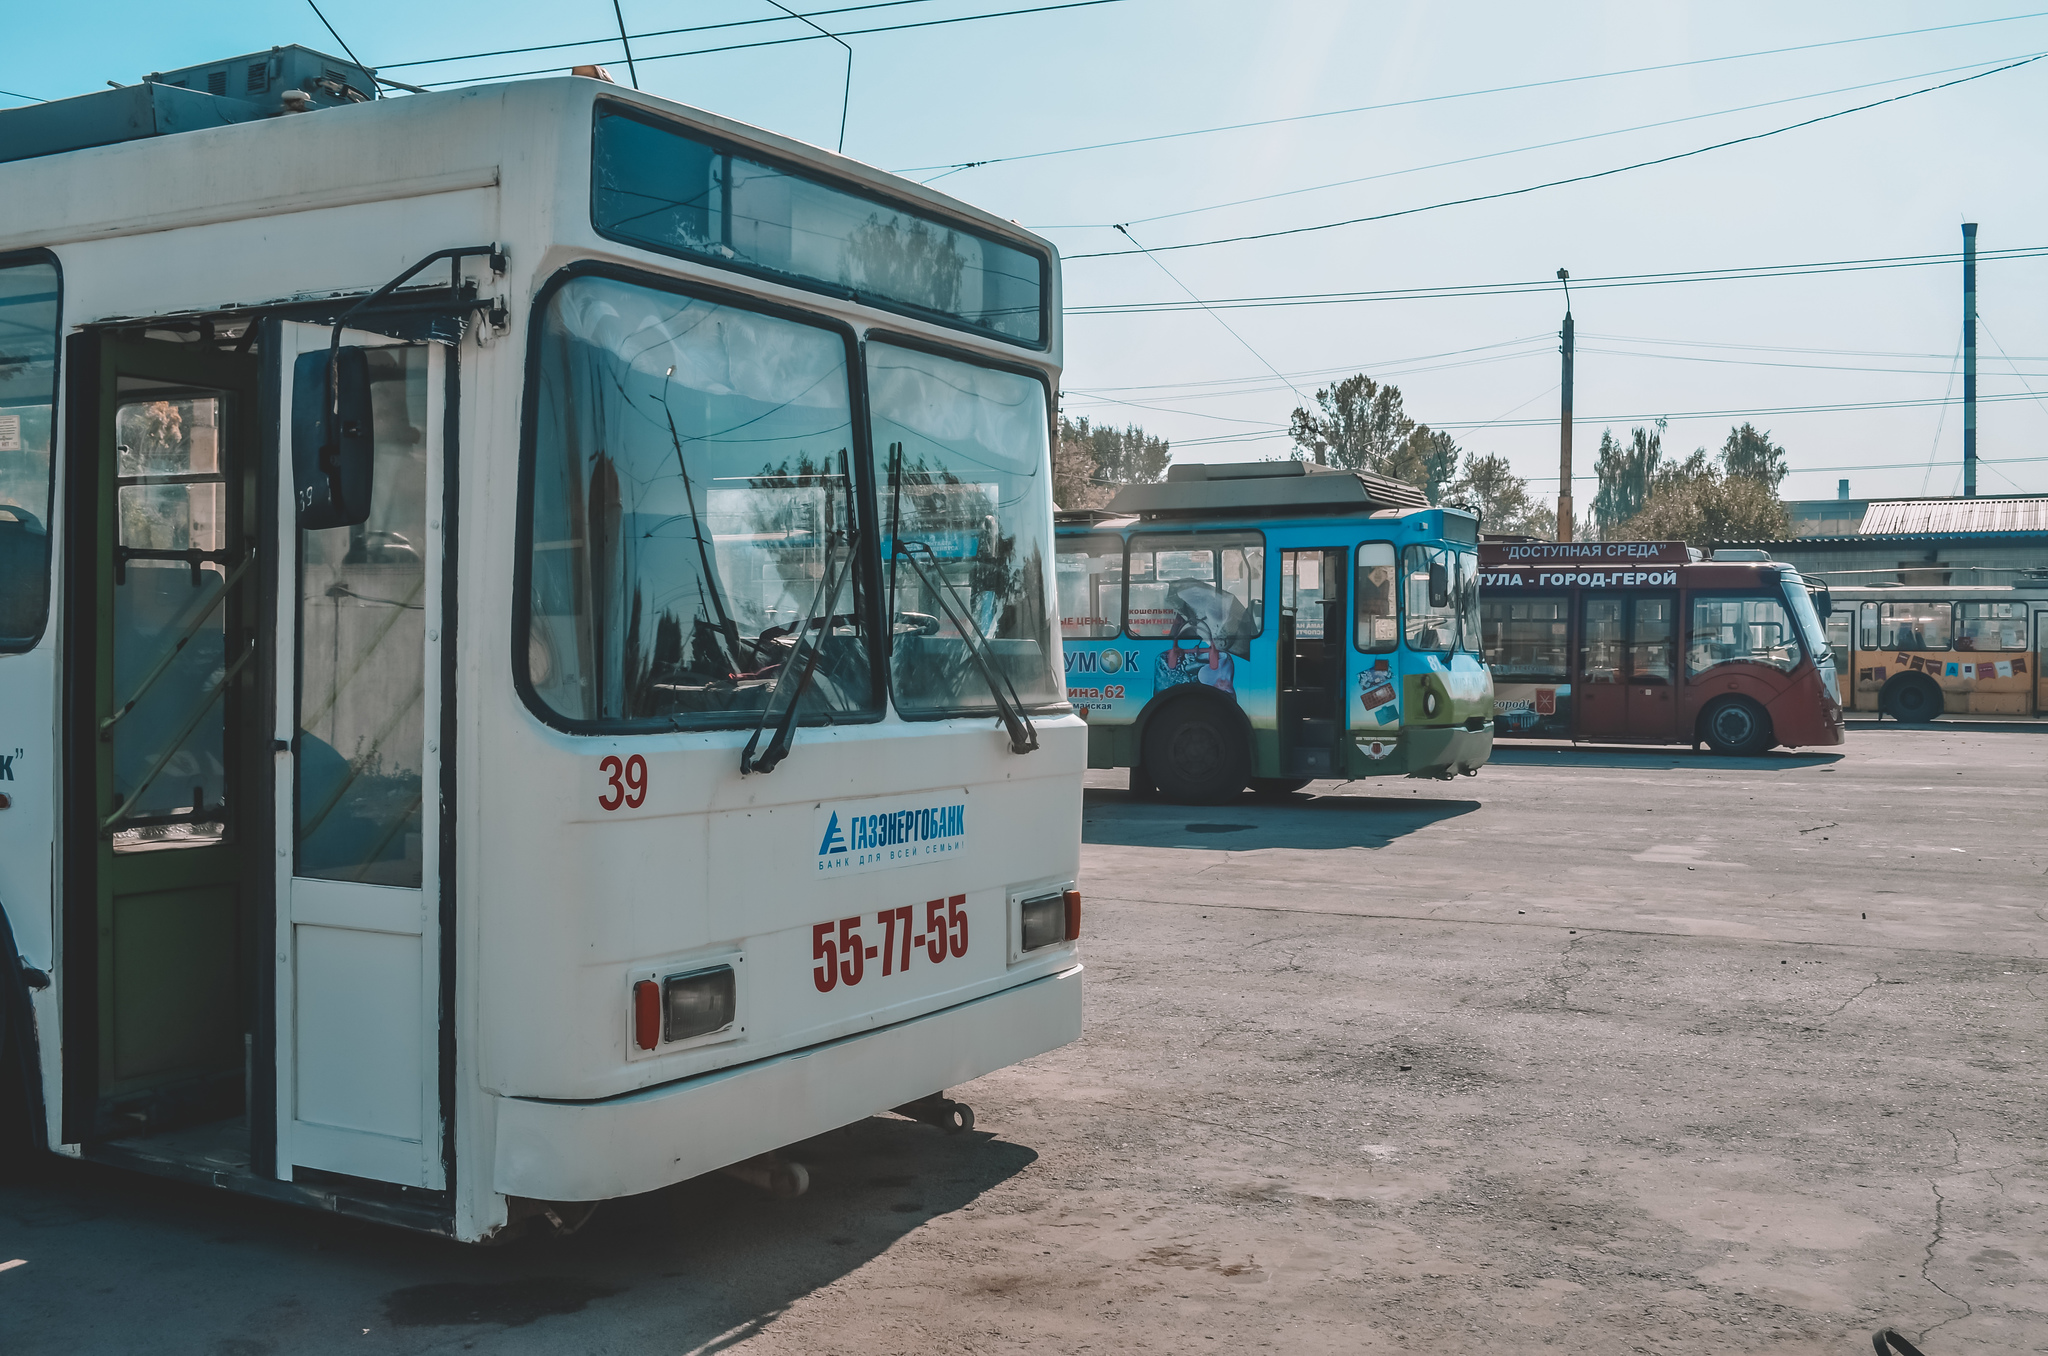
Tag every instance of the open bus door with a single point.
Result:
(357, 734)
(163, 735)
(1310, 651)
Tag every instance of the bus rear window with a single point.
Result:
(656, 185)
(1090, 571)
(28, 393)
(1212, 584)
(1525, 640)
(1914, 626)
(1991, 626)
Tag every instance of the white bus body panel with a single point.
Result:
(584, 1151)
(558, 905)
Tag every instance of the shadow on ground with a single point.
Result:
(696, 1267)
(1302, 820)
(1580, 755)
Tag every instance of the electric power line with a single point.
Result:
(1537, 146)
(1464, 94)
(1509, 289)
(1573, 179)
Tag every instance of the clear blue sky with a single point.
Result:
(1893, 181)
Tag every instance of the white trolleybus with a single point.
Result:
(527, 660)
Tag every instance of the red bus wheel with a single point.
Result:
(1736, 727)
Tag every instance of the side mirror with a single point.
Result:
(331, 466)
(1824, 603)
(1439, 584)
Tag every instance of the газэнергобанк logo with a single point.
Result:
(872, 835)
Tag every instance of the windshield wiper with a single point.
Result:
(1009, 706)
(802, 661)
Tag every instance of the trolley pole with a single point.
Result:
(1969, 360)
(1564, 421)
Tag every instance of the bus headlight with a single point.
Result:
(1043, 920)
(698, 1003)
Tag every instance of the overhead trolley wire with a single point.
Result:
(1463, 94)
(1573, 179)
(654, 33)
(805, 37)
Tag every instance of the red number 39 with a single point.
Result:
(628, 781)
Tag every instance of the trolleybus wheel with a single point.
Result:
(1911, 700)
(1272, 788)
(1736, 727)
(1195, 756)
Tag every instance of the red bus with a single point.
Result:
(1645, 642)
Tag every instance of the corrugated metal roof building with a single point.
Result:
(1992, 539)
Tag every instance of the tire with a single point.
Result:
(1196, 755)
(1736, 727)
(1911, 700)
(1274, 788)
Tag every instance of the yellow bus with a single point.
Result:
(1914, 653)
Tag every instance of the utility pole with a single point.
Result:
(1564, 420)
(1969, 360)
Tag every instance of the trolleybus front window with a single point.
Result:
(1443, 598)
(965, 453)
(28, 388)
(1740, 631)
(686, 499)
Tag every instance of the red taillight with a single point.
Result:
(647, 1014)
(1073, 915)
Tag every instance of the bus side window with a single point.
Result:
(1914, 626)
(1991, 626)
(1379, 624)
(1090, 575)
(1866, 626)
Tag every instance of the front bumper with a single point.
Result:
(622, 1146)
(1446, 750)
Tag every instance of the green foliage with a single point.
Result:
(1490, 485)
(1626, 471)
(1089, 462)
(1360, 425)
(1753, 456)
(1695, 502)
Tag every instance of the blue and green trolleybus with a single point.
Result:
(1265, 624)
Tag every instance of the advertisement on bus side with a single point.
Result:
(1532, 710)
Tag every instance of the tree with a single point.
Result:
(1088, 463)
(1502, 498)
(1360, 425)
(1753, 456)
(1693, 501)
(1626, 471)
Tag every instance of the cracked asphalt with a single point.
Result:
(1599, 1051)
